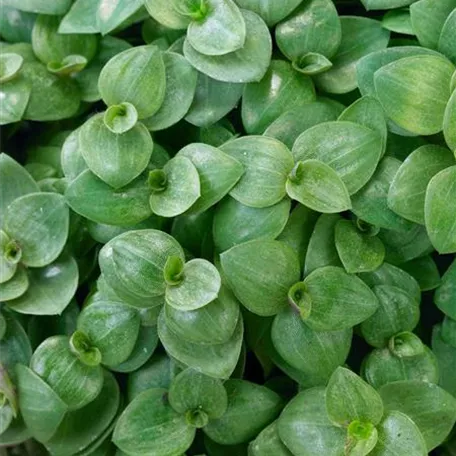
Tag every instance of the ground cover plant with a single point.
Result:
(228, 227)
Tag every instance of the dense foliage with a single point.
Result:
(228, 227)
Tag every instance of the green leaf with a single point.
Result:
(74, 382)
(398, 311)
(212, 101)
(40, 6)
(235, 223)
(383, 366)
(168, 13)
(199, 285)
(50, 46)
(10, 65)
(314, 27)
(52, 97)
(218, 173)
(447, 36)
(321, 250)
(41, 408)
(398, 21)
(352, 150)
(358, 251)
(317, 186)
(212, 324)
(222, 30)
(270, 11)
(149, 425)
(120, 118)
(449, 122)
(268, 443)
(16, 26)
(370, 203)
(430, 407)
(360, 37)
(425, 271)
(267, 163)
(16, 182)
(349, 398)
(289, 125)
(305, 421)
(316, 354)
(446, 356)
(181, 83)
(112, 328)
(311, 64)
(250, 409)
(136, 76)
(14, 287)
(112, 14)
(281, 89)
(192, 392)
(387, 274)
(398, 434)
(175, 188)
(407, 192)
(439, 209)
(133, 262)
(81, 17)
(97, 201)
(10, 256)
(414, 92)
(445, 295)
(80, 428)
(247, 64)
(39, 223)
(260, 274)
(385, 4)
(15, 96)
(428, 19)
(338, 300)
(116, 159)
(72, 161)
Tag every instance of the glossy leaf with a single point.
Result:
(430, 407)
(112, 328)
(133, 262)
(136, 76)
(397, 312)
(425, 271)
(14, 287)
(16, 26)
(385, 4)
(289, 125)
(181, 83)
(167, 13)
(449, 123)
(235, 223)
(39, 223)
(268, 443)
(270, 11)
(370, 203)
(50, 289)
(317, 186)
(116, 159)
(398, 434)
(10, 65)
(41, 408)
(281, 89)
(212, 324)
(341, 78)
(447, 36)
(314, 353)
(92, 198)
(260, 274)
(199, 285)
(305, 429)
(213, 100)
(338, 300)
(81, 18)
(217, 360)
(193, 394)
(352, 150)
(180, 187)
(218, 173)
(247, 64)
(40, 6)
(349, 398)
(250, 409)
(439, 210)
(267, 163)
(111, 15)
(408, 189)
(74, 382)
(445, 295)
(15, 97)
(414, 92)
(398, 21)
